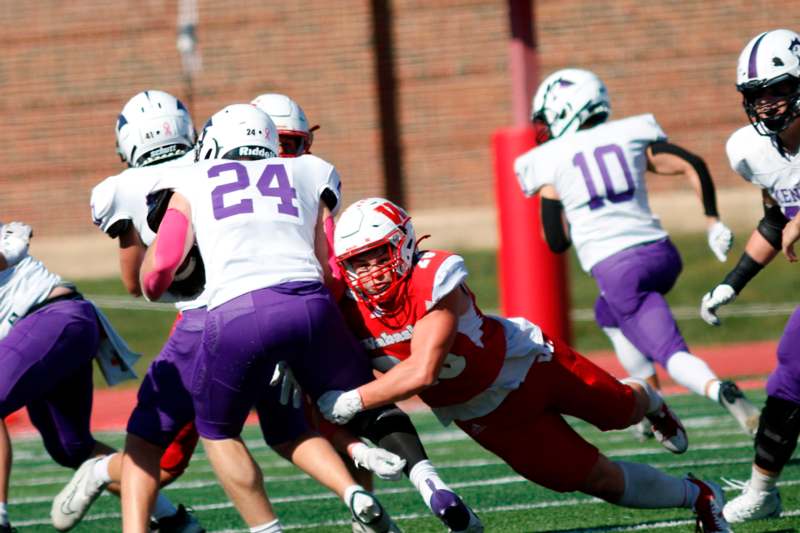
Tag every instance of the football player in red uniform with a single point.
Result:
(502, 381)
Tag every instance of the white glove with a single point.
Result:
(720, 295)
(383, 463)
(720, 240)
(14, 240)
(339, 406)
(284, 377)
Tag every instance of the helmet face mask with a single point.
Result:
(153, 127)
(768, 77)
(375, 246)
(238, 132)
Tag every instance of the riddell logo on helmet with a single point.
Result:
(247, 151)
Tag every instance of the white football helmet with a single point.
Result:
(238, 131)
(369, 224)
(769, 68)
(568, 99)
(154, 126)
(291, 122)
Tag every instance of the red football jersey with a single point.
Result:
(478, 352)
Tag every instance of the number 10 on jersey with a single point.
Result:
(601, 153)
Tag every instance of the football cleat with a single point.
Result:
(708, 507)
(369, 516)
(6, 528)
(643, 431)
(668, 429)
(181, 522)
(454, 513)
(752, 504)
(737, 404)
(71, 504)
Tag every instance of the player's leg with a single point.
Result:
(778, 430)
(5, 474)
(635, 363)
(339, 363)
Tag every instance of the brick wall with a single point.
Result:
(68, 67)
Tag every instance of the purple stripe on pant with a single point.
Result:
(46, 366)
(165, 404)
(244, 338)
(784, 382)
(632, 285)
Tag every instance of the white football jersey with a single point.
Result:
(599, 174)
(124, 197)
(21, 287)
(255, 221)
(757, 160)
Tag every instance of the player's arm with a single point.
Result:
(764, 244)
(554, 224)
(172, 243)
(669, 159)
(131, 254)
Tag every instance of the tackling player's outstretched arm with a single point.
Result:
(131, 254)
(668, 159)
(173, 241)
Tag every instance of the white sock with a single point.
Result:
(269, 527)
(652, 395)
(348, 493)
(648, 488)
(693, 373)
(712, 393)
(763, 482)
(635, 363)
(4, 514)
(424, 476)
(163, 507)
(100, 469)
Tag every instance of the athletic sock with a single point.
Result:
(163, 507)
(269, 527)
(693, 373)
(761, 481)
(635, 363)
(655, 401)
(100, 469)
(424, 476)
(4, 514)
(648, 488)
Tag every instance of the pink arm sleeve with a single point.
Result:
(168, 254)
(336, 272)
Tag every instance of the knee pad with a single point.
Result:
(778, 429)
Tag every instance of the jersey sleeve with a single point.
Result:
(105, 212)
(533, 172)
(736, 148)
(648, 129)
(449, 275)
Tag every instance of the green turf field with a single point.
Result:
(503, 500)
(146, 330)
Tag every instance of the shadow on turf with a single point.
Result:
(641, 525)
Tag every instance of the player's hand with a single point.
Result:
(720, 295)
(791, 232)
(283, 377)
(383, 463)
(339, 406)
(720, 240)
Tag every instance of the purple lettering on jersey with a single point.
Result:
(790, 211)
(283, 190)
(595, 199)
(218, 194)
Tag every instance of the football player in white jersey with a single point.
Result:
(294, 134)
(766, 154)
(593, 171)
(48, 337)
(237, 142)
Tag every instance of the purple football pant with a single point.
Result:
(165, 404)
(784, 382)
(632, 285)
(46, 366)
(245, 337)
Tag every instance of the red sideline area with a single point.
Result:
(752, 360)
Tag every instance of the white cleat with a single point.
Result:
(71, 504)
(752, 504)
(737, 404)
(369, 516)
(668, 429)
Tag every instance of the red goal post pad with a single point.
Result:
(533, 280)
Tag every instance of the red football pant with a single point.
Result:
(529, 432)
